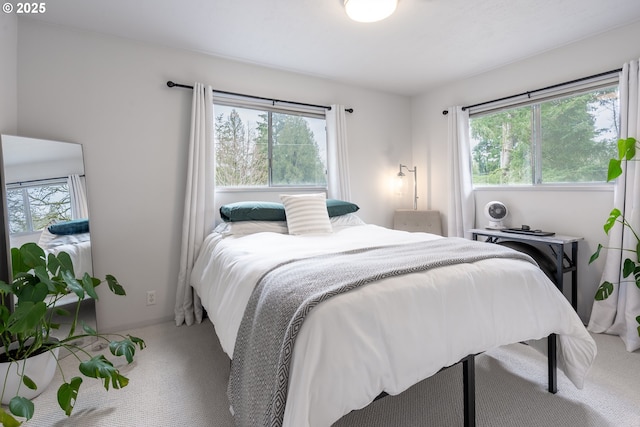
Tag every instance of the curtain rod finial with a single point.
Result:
(170, 83)
(445, 112)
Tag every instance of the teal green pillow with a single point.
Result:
(252, 211)
(272, 211)
(340, 207)
(75, 226)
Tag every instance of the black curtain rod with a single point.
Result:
(528, 93)
(39, 180)
(172, 84)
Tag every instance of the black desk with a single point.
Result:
(556, 243)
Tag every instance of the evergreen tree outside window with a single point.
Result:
(565, 139)
(260, 147)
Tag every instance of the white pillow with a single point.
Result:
(306, 213)
(49, 240)
(242, 228)
(346, 220)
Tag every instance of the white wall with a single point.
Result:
(110, 95)
(8, 73)
(577, 213)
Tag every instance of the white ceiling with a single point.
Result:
(425, 43)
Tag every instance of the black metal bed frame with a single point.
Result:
(469, 380)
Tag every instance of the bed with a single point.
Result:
(72, 237)
(384, 336)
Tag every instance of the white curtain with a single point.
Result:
(337, 158)
(617, 314)
(461, 201)
(78, 192)
(198, 205)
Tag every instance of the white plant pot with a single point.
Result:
(40, 369)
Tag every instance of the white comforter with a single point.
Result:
(80, 254)
(391, 334)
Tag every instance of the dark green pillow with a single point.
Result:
(272, 211)
(252, 211)
(65, 228)
(340, 207)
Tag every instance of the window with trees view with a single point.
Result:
(33, 207)
(259, 147)
(564, 140)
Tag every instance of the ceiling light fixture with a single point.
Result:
(369, 10)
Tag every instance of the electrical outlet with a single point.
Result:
(151, 297)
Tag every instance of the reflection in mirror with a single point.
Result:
(46, 203)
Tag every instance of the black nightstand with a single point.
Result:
(557, 245)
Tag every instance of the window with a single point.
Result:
(32, 207)
(267, 147)
(563, 138)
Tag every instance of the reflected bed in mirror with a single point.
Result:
(46, 203)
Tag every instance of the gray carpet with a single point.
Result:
(181, 379)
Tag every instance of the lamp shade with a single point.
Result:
(369, 10)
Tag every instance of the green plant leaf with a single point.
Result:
(35, 293)
(628, 267)
(100, 367)
(88, 329)
(611, 221)
(124, 348)
(138, 341)
(21, 407)
(42, 274)
(603, 292)
(68, 393)
(115, 287)
(88, 285)
(5, 288)
(31, 385)
(7, 419)
(61, 312)
(627, 148)
(596, 254)
(33, 255)
(26, 317)
(4, 318)
(17, 264)
(73, 284)
(66, 264)
(614, 170)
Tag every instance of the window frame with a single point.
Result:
(270, 107)
(556, 92)
(24, 188)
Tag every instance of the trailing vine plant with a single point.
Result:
(631, 266)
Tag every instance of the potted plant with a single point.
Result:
(39, 282)
(631, 265)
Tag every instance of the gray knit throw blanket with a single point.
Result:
(287, 293)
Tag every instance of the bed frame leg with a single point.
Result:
(469, 381)
(552, 363)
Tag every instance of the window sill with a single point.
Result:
(269, 189)
(607, 187)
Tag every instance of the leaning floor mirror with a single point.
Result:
(44, 191)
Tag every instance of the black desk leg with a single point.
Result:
(469, 380)
(574, 275)
(552, 363)
(560, 268)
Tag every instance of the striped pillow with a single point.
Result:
(306, 213)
